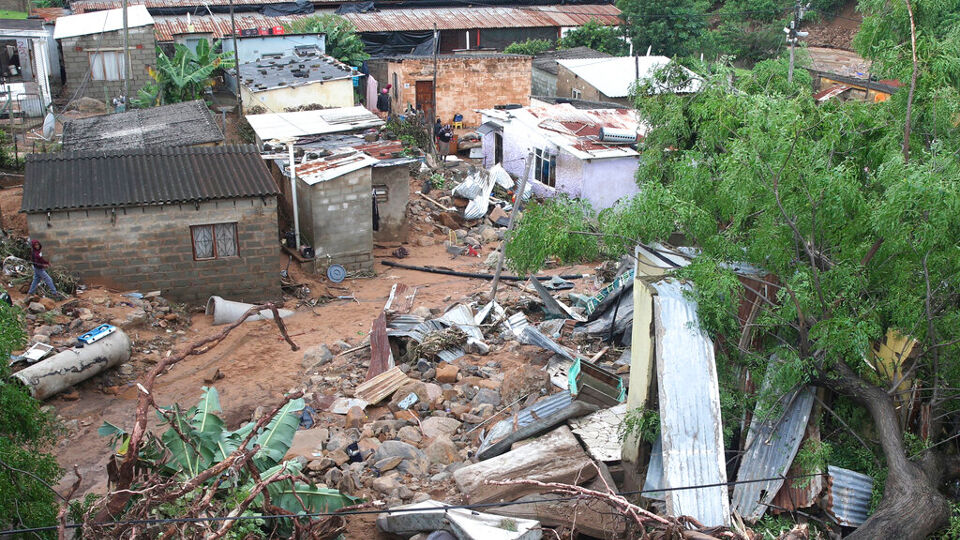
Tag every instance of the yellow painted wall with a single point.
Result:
(337, 93)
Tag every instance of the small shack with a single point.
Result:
(303, 78)
(611, 79)
(545, 68)
(182, 124)
(93, 56)
(190, 222)
(295, 125)
(569, 154)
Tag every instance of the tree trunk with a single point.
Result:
(912, 507)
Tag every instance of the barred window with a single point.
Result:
(216, 241)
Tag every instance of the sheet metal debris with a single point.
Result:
(382, 386)
(399, 301)
(462, 316)
(693, 452)
(600, 432)
(381, 356)
(533, 420)
(620, 281)
(553, 307)
(771, 444)
(342, 404)
(848, 496)
(654, 479)
(532, 336)
(431, 515)
(801, 493)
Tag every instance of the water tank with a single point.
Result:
(617, 136)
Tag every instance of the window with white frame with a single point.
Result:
(215, 241)
(381, 193)
(545, 167)
(106, 66)
(576, 93)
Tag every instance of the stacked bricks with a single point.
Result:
(149, 248)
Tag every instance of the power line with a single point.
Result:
(214, 519)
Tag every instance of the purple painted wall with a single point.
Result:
(606, 181)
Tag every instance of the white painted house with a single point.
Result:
(568, 155)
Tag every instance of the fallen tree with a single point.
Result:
(858, 238)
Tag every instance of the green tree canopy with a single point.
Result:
(673, 28)
(531, 47)
(343, 43)
(185, 76)
(27, 433)
(606, 39)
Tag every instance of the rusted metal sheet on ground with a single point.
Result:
(381, 357)
(382, 386)
(802, 492)
(399, 301)
(771, 444)
(690, 424)
(848, 496)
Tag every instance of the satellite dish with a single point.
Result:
(49, 126)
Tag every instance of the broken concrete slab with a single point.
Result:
(464, 524)
(600, 432)
(554, 457)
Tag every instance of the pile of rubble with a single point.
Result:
(438, 402)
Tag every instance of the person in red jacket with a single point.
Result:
(40, 266)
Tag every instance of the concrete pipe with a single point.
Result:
(228, 311)
(63, 370)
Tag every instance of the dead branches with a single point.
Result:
(117, 501)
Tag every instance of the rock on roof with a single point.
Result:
(181, 124)
(547, 61)
(143, 177)
(306, 66)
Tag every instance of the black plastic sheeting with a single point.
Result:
(300, 7)
(359, 7)
(398, 43)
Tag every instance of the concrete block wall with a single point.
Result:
(151, 247)
(338, 219)
(393, 212)
(465, 83)
(142, 46)
(544, 83)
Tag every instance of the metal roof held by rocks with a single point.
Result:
(181, 124)
(272, 72)
(143, 177)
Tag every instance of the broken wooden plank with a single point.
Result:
(554, 457)
(381, 357)
(382, 386)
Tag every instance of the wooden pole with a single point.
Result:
(236, 61)
(126, 58)
(510, 224)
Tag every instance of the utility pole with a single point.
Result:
(126, 57)
(236, 60)
(433, 98)
(794, 34)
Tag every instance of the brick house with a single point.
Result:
(92, 47)
(465, 82)
(189, 221)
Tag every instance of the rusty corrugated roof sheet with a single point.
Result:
(848, 496)
(143, 177)
(85, 6)
(462, 18)
(394, 20)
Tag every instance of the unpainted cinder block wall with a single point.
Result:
(337, 217)
(393, 211)
(567, 81)
(151, 248)
(142, 45)
(465, 83)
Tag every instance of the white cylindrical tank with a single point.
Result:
(63, 370)
(617, 136)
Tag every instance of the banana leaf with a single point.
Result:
(276, 438)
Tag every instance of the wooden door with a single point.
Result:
(425, 99)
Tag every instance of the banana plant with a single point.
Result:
(184, 76)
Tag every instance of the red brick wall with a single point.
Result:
(464, 83)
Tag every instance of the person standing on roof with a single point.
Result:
(40, 274)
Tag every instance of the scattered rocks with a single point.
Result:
(316, 356)
(36, 307)
(441, 450)
(485, 395)
(388, 464)
(355, 417)
(386, 484)
(436, 426)
(447, 373)
(409, 434)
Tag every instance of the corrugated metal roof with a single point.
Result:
(181, 124)
(305, 123)
(335, 166)
(389, 20)
(772, 443)
(690, 421)
(547, 61)
(100, 21)
(464, 18)
(848, 496)
(85, 6)
(143, 177)
(541, 411)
